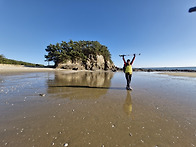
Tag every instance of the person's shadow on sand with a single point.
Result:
(127, 106)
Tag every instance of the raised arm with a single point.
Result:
(133, 59)
(124, 60)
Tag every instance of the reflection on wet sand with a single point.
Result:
(81, 85)
(127, 106)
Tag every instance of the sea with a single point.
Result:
(172, 68)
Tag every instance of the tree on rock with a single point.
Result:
(76, 51)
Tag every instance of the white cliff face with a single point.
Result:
(69, 65)
(98, 63)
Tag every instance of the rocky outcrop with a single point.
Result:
(92, 63)
(71, 65)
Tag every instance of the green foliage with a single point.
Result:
(76, 50)
(4, 60)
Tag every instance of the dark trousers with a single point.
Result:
(128, 78)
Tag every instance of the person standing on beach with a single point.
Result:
(128, 71)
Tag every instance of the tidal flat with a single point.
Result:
(82, 109)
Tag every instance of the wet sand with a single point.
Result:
(94, 109)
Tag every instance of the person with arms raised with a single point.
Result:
(128, 70)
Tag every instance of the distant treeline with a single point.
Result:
(4, 60)
(76, 50)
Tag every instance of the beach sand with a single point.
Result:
(181, 74)
(94, 109)
(8, 68)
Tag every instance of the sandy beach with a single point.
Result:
(8, 68)
(180, 74)
(94, 109)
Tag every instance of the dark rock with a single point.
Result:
(75, 68)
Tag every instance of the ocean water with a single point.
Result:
(173, 68)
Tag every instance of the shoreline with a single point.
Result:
(9, 68)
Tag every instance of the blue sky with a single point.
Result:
(162, 30)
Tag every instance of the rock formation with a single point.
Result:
(92, 63)
(79, 55)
